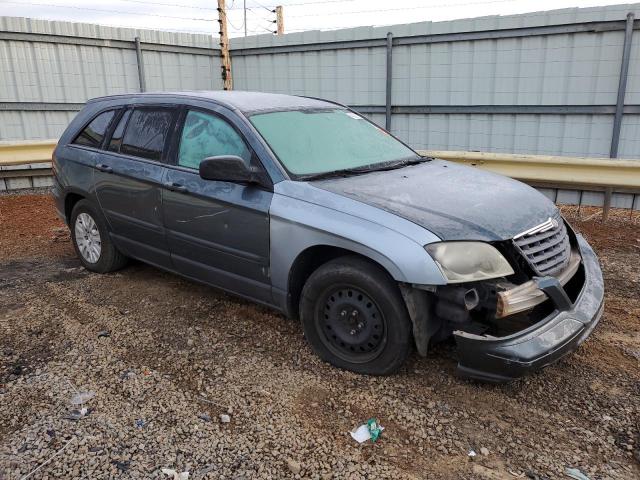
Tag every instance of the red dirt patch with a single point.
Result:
(30, 227)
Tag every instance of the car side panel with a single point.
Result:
(218, 232)
(130, 198)
(73, 173)
(303, 216)
(73, 166)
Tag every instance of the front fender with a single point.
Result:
(303, 216)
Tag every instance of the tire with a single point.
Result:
(96, 250)
(376, 339)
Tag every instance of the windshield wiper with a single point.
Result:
(404, 162)
(376, 167)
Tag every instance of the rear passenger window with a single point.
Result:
(116, 138)
(93, 133)
(146, 133)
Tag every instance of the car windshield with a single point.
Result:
(314, 143)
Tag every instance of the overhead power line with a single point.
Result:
(141, 2)
(268, 9)
(259, 16)
(423, 7)
(232, 25)
(315, 2)
(74, 7)
(133, 27)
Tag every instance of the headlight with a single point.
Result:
(468, 261)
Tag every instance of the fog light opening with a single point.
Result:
(471, 299)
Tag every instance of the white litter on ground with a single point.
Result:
(362, 433)
(175, 475)
(81, 398)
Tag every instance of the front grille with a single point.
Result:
(546, 246)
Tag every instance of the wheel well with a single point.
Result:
(308, 262)
(69, 202)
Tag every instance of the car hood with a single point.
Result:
(452, 201)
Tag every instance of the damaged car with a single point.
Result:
(308, 207)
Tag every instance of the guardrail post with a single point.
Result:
(387, 120)
(606, 206)
(140, 62)
(622, 86)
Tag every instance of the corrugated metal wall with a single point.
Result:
(48, 69)
(532, 68)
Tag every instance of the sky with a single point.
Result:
(200, 16)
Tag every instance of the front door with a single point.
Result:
(128, 182)
(218, 232)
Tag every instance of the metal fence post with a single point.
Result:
(140, 62)
(622, 86)
(387, 121)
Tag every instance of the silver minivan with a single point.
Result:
(306, 206)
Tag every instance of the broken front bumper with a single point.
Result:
(506, 358)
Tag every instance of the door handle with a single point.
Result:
(176, 187)
(104, 168)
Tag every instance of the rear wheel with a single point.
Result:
(91, 239)
(354, 317)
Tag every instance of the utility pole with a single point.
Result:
(224, 45)
(244, 8)
(279, 20)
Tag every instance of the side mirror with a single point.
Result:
(227, 168)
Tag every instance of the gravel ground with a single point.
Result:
(169, 361)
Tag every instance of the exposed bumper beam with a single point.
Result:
(528, 295)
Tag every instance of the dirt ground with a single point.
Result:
(166, 358)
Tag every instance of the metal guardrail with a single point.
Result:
(25, 152)
(20, 161)
(26, 164)
(594, 173)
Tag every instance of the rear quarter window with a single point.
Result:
(93, 134)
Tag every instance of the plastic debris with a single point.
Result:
(77, 414)
(140, 423)
(127, 374)
(576, 473)
(205, 416)
(224, 418)
(104, 334)
(369, 431)
(122, 466)
(472, 454)
(374, 429)
(175, 475)
(81, 397)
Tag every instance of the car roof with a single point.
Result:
(244, 101)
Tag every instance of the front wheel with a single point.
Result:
(354, 317)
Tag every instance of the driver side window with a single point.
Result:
(205, 135)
